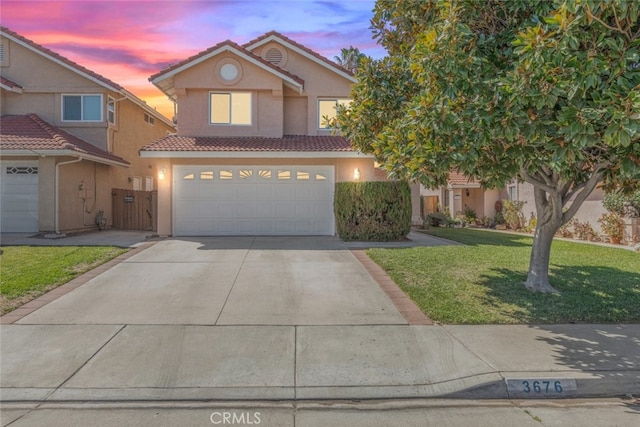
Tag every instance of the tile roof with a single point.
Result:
(299, 46)
(293, 143)
(10, 84)
(456, 178)
(218, 46)
(61, 58)
(31, 133)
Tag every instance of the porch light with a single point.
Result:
(162, 173)
(356, 174)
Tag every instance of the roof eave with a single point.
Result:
(168, 90)
(296, 49)
(60, 153)
(61, 63)
(10, 88)
(253, 154)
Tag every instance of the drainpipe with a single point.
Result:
(57, 194)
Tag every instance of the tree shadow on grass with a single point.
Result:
(587, 294)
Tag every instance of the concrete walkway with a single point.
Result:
(296, 318)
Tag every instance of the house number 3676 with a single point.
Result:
(541, 386)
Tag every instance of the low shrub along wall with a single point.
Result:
(373, 211)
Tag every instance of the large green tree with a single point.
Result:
(544, 91)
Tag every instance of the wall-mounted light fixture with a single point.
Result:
(466, 192)
(356, 174)
(162, 173)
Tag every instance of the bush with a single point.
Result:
(623, 204)
(513, 215)
(437, 219)
(373, 211)
(613, 225)
(470, 215)
(583, 230)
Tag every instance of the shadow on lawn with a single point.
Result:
(587, 294)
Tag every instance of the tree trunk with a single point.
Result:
(538, 277)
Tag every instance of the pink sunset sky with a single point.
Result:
(127, 41)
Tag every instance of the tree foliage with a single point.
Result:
(350, 58)
(546, 91)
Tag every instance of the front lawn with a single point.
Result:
(26, 272)
(482, 281)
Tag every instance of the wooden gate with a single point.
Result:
(134, 210)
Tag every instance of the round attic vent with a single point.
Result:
(274, 55)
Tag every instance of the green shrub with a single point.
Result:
(437, 219)
(623, 204)
(373, 211)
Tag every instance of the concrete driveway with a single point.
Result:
(229, 281)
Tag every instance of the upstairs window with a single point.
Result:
(82, 108)
(231, 108)
(327, 111)
(148, 119)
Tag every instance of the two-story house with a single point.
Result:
(254, 153)
(68, 137)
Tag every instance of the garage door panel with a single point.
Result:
(19, 196)
(254, 200)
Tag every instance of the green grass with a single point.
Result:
(482, 281)
(27, 272)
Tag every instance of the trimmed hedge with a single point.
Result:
(373, 211)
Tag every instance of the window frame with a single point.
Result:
(230, 122)
(337, 101)
(82, 112)
(111, 108)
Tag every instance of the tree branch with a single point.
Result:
(536, 182)
(595, 18)
(587, 189)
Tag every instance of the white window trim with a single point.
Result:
(230, 109)
(148, 119)
(82, 95)
(148, 183)
(320, 127)
(111, 101)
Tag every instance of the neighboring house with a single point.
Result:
(253, 153)
(462, 192)
(459, 194)
(68, 136)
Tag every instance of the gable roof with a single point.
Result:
(80, 70)
(302, 50)
(28, 135)
(291, 146)
(164, 83)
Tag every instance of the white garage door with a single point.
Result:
(253, 200)
(19, 197)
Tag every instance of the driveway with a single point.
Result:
(229, 281)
